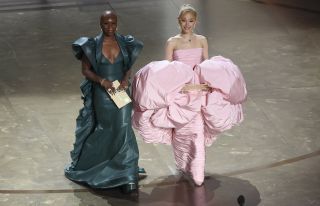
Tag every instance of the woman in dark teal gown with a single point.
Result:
(105, 153)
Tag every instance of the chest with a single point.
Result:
(110, 50)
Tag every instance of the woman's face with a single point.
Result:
(187, 23)
(108, 24)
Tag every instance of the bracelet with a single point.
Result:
(102, 80)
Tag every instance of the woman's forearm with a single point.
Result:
(127, 76)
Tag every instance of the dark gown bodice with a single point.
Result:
(109, 71)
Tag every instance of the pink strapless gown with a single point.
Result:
(189, 121)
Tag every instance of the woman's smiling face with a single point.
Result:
(187, 22)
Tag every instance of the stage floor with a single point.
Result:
(272, 158)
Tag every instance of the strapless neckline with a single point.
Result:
(188, 49)
(190, 56)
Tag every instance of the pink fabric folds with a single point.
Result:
(223, 107)
(187, 120)
(220, 73)
(188, 56)
(159, 106)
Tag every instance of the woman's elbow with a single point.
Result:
(85, 72)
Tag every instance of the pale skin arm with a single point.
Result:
(88, 73)
(169, 49)
(205, 54)
(204, 43)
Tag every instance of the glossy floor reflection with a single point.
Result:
(217, 190)
(272, 158)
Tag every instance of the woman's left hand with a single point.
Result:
(124, 85)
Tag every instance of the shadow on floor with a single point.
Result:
(172, 191)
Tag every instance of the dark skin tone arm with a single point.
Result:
(87, 72)
(125, 80)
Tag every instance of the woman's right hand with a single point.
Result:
(107, 85)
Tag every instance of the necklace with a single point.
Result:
(189, 39)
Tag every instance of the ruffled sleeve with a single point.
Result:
(130, 48)
(134, 47)
(83, 45)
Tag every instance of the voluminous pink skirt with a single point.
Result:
(188, 121)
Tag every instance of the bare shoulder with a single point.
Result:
(172, 41)
(201, 38)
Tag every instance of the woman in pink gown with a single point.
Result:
(187, 99)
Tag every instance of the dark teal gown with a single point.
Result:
(107, 155)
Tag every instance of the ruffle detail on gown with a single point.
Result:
(222, 74)
(159, 106)
(223, 108)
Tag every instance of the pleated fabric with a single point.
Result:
(189, 121)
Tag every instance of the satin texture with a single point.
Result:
(191, 120)
(105, 151)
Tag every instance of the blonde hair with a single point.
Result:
(185, 8)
